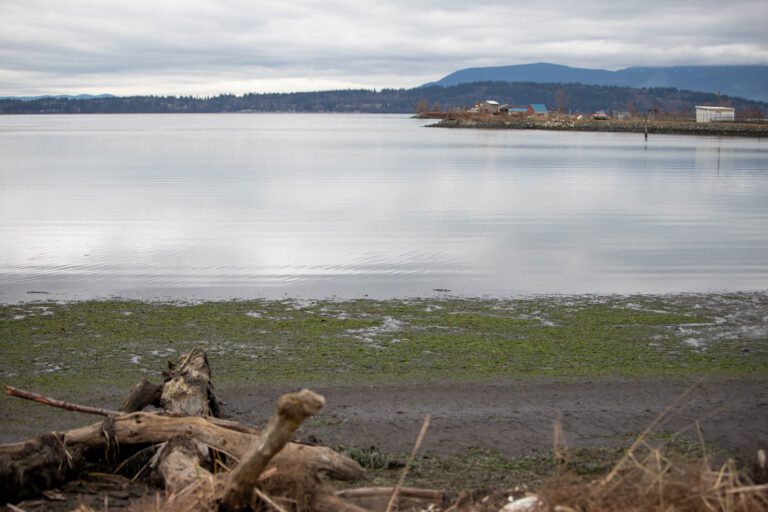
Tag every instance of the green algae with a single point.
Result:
(67, 347)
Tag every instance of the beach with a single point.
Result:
(494, 374)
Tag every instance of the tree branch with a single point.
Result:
(61, 404)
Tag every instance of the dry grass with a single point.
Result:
(646, 479)
(649, 480)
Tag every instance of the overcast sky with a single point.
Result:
(205, 47)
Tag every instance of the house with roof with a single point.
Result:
(714, 114)
(488, 107)
(533, 109)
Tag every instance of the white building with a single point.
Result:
(489, 107)
(710, 114)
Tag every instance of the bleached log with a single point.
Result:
(406, 492)
(188, 390)
(292, 410)
(149, 428)
(180, 463)
(188, 430)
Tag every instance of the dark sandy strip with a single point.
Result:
(514, 416)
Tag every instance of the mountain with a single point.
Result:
(58, 97)
(742, 81)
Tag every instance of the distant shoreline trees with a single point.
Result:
(575, 97)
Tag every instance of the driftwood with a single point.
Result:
(180, 463)
(404, 473)
(188, 390)
(189, 437)
(61, 404)
(142, 428)
(405, 492)
(141, 396)
(34, 466)
(291, 412)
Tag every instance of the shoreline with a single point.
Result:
(493, 373)
(567, 123)
(514, 416)
(495, 434)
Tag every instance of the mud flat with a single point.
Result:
(493, 373)
(590, 125)
(515, 416)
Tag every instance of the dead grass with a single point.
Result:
(651, 481)
(645, 479)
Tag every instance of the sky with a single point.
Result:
(208, 47)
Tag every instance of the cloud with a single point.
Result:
(209, 46)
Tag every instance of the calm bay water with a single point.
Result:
(252, 205)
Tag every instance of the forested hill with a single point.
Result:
(571, 97)
(743, 81)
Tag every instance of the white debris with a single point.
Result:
(299, 304)
(522, 504)
(369, 333)
(694, 342)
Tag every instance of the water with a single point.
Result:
(263, 205)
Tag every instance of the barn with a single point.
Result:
(714, 114)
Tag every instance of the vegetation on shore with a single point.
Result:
(568, 97)
(486, 468)
(572, 123)
(105, 344)
(70, 349)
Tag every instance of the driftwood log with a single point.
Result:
(188, 389)
(141, 428)
(291, 412)
(186, 437)
(181, 463)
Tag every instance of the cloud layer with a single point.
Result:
(206, 47)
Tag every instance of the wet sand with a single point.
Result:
(516, 416)
(513, 416)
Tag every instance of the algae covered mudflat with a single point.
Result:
(494, 373)
(72, 346)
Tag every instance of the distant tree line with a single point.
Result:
(575, 98)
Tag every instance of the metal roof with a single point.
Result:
(539, 107)
(718, 109)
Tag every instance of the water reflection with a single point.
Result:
(266, 205)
